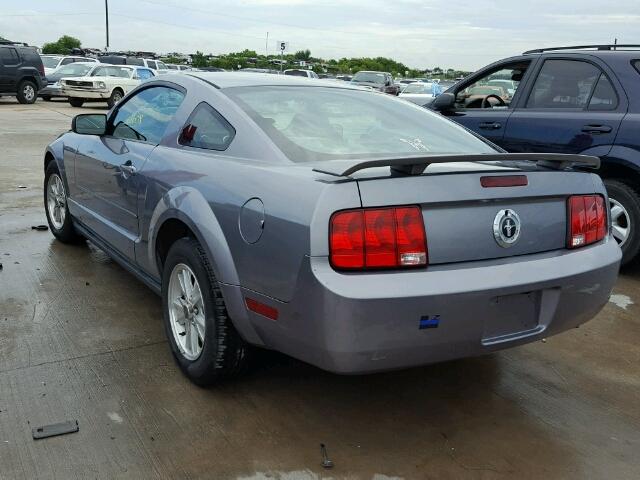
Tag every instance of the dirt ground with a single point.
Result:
(82, 339)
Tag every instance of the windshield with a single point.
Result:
(74, 70)
(112, 72)
(418, 88)
(486, 91)
(323, 123)
(369, 77)
(50, 62)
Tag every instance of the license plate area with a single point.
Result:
(512, 316)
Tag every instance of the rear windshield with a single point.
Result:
(312, 124)
(369, 77)
(296, 73)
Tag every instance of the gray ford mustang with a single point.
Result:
(343, 227)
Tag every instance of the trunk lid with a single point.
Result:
(459, 213)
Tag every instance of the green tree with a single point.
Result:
(302, 55)
(174, 60)
(63, 45)
(199, 60)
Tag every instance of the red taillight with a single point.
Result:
(587, 220)
(377, 238)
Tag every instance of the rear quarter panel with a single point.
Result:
(210, 196)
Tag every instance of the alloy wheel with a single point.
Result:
(620, 221)
(186, 311)
(28, 92)
(56, 201)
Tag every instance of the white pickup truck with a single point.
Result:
(104, 83)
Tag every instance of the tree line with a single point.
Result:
(251, 59)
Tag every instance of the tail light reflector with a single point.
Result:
(377, 238)
(587, 220)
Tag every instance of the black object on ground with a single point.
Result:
(326, 463)
(39, 227)
(55, 429)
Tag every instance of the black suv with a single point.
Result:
(21, 72)
(582, 99)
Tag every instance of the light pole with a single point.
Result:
(106, 18)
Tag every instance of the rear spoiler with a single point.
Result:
(417, 165)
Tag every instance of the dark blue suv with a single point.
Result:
(564, 100)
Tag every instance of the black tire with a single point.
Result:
(623, 193)
(224, 353)
(27, 92)
(76, 102)
(66, 233)
(46, 98)
(115, 97)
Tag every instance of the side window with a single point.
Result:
(144, 73)
(99, 72)
(495, 89)
(9, 56)
(146, 115)
(564, 84)
(604, 96)
(207, 129)
(66, 61)
(151, 64)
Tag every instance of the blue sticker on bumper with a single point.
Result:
(429, 322)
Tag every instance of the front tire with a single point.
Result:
(55, 206)
(115, 97)
(27, 92)
(76, 102)
(203, 340)
(624, 202)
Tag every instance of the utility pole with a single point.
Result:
(266, 45)
(106, 17)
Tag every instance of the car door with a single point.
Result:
(574, 106)
(106, 167)
(486, 108)
(9, 63)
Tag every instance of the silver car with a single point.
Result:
(351, 230)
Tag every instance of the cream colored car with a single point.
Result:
(104, 83)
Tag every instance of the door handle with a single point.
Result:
(490, 125)
(597, 129)
(127, 168)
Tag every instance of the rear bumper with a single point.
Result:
(357, 323)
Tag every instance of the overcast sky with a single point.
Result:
(420, 33)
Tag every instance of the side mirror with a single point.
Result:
(89, 124)
(443, 102)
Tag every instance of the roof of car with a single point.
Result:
(250, 79)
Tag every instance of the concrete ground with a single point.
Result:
(82, 339)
